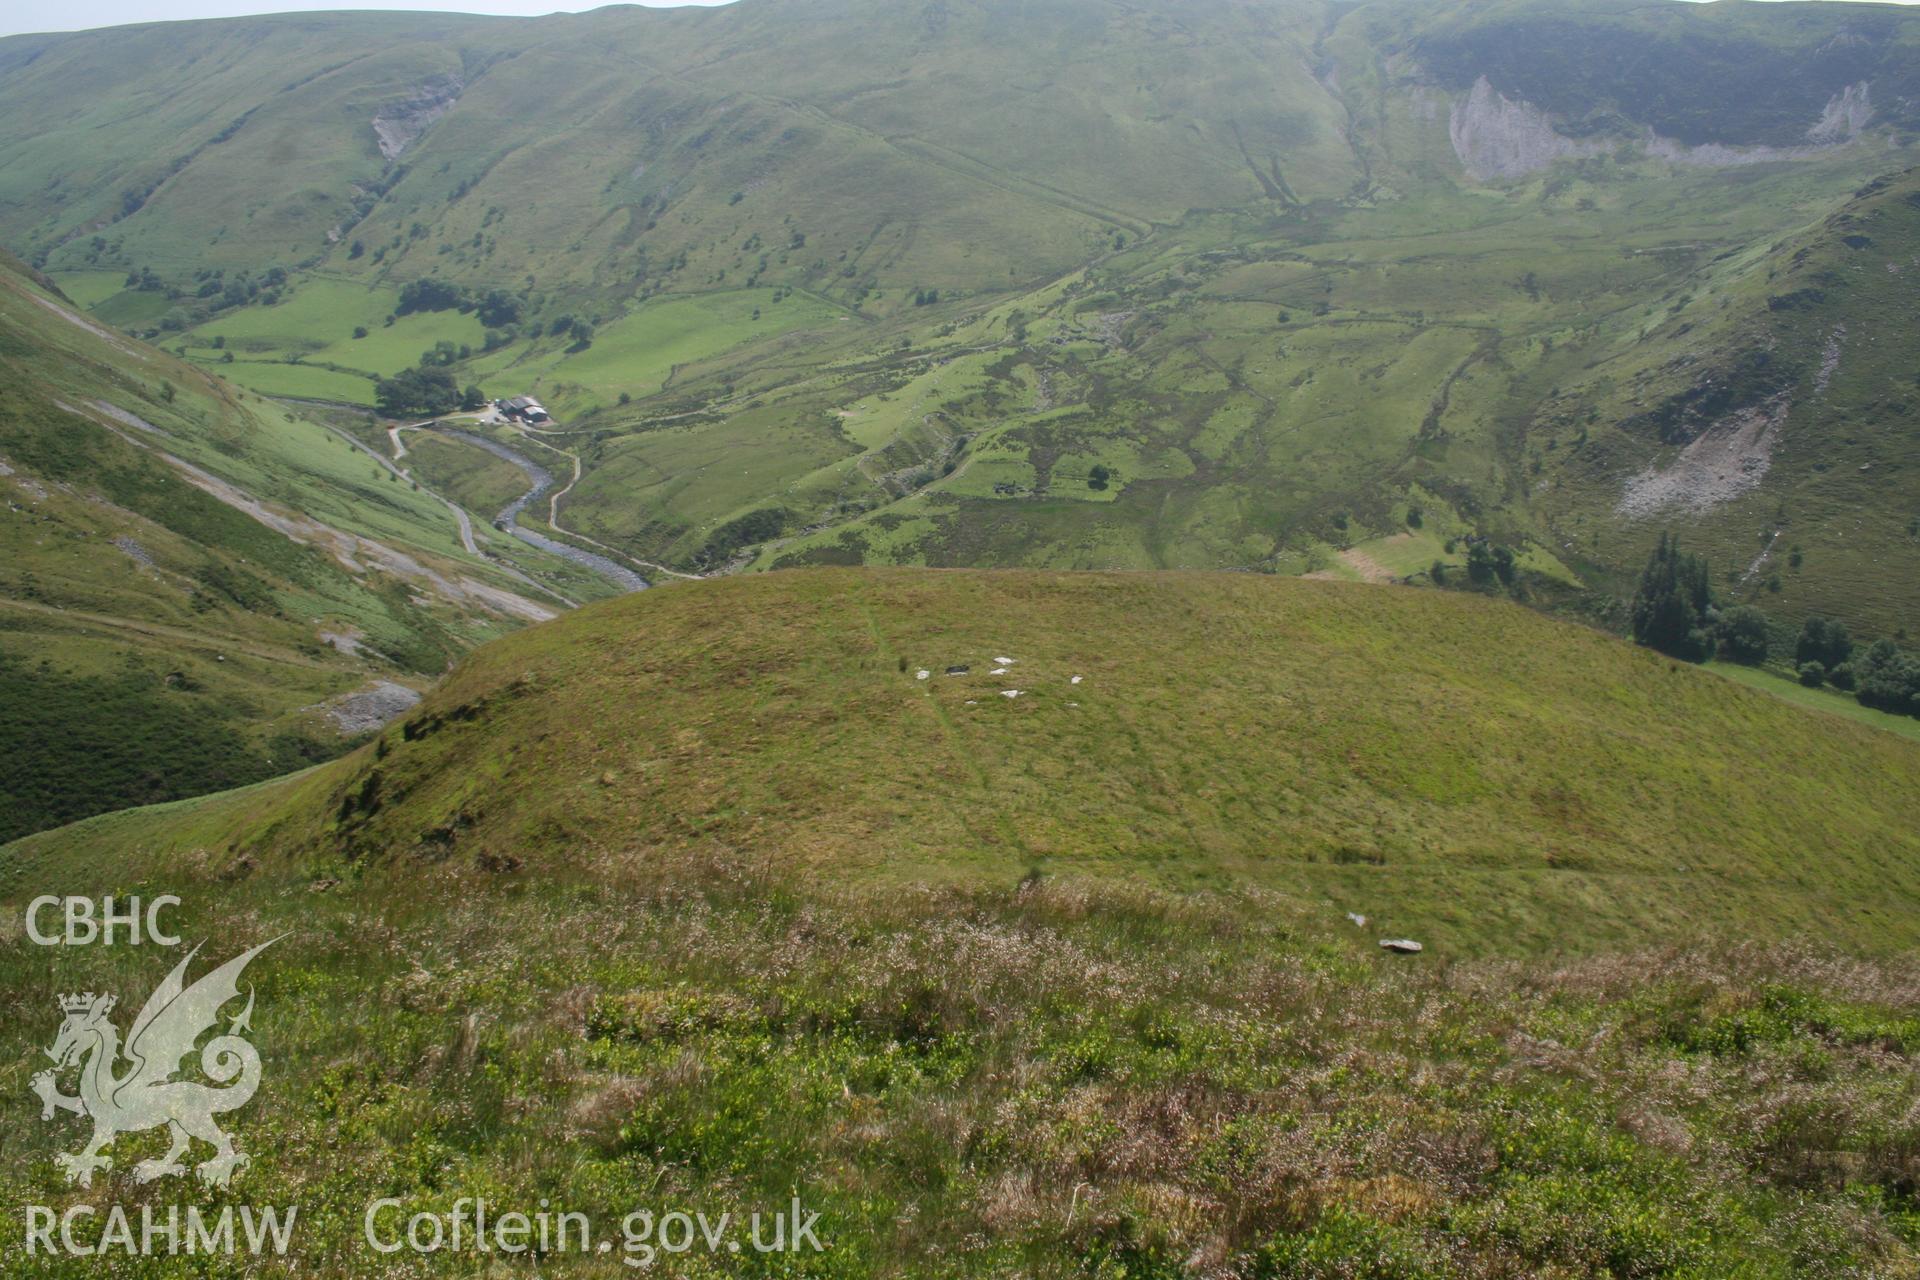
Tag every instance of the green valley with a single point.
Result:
(801, 309)
(202, 587)
(1102, 639)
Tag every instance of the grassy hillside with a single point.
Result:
(968, 147)
(194, 579)
(1462, 770)
(1770, 404)
(702, 900)
(1271, 395)
(1827, 699)
(902, 163)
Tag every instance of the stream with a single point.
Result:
(542, 481)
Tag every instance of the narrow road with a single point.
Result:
(459, 513)
(553, 521)
(553, 501)
(542, 481)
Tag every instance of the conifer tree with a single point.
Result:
(1670, 608)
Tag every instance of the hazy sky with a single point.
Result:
(72, 15)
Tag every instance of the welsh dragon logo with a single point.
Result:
(145, 1095)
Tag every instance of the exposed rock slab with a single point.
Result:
(372, 708)
(398, 125)
(1498, 137)
(1726, 460)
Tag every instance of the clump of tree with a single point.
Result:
(1673, 611)
(1889, 679)
(417, 392)
(1672, 607)
(739, 532)
(498, 309)
(1488, 564)
(1823, 640)
(212, 291)
(574, 327)
(1884, 677)
(1744, 635)
(428, 294)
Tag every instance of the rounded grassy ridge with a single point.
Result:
(705, 899)
(1465, 773)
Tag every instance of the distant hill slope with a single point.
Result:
(965, 145)
(1772, 406)
(854, 144)
(1466, 773)
(891, 139)
(1276, 285)
(197, 587)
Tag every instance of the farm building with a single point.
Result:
(524, 408)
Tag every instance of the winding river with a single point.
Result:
(542, 481)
